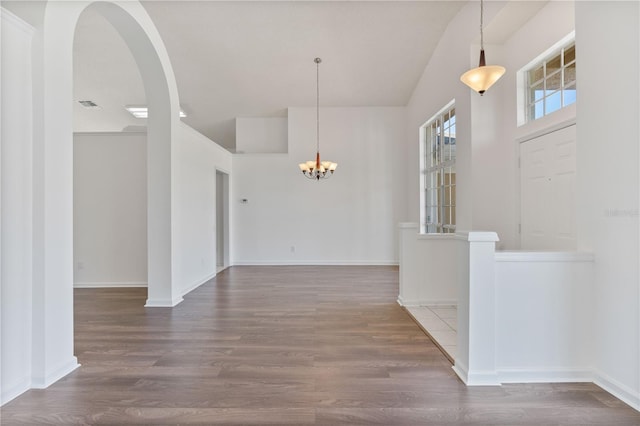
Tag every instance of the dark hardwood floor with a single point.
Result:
(283, 345)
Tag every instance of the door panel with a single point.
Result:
(547, 191)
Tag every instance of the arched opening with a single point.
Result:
(52, 330)
(109, 161)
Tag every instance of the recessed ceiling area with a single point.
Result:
(255, 59)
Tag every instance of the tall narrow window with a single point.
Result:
(551, 83)
(439, 172)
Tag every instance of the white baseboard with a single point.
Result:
(483, 378)
(461, 371)
(617, 389)
(38, 382)
(475, 378)
(14, 391)
(197, 284)
(49, 379)
(410, 303)
(163, 303)
(314, 263)
(522, 376)
(109, 284)
(544, 375)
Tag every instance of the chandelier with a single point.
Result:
(318, 169)
(483, 77)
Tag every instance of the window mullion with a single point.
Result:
(544, 90)
(550, 74)
(561, 77)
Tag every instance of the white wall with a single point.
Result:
(16, 207)
(607, 35)
(480, 172)
(50, 343)
(261, 135)
(545, 29)
(487, 152)
(493, 166)
(426, 265)
(439, 84)
(523, 317)
(110, 209)
(350, 218)
(199, 158)
(543, 316)
(495, 134)
(607, 166)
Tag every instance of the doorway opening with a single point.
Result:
(222, 220)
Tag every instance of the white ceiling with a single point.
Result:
(242, 59)
(255, 58)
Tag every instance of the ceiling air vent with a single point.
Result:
(89, 104)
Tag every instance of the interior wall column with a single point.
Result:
(162, 149)
(475, 361)
(52, 313)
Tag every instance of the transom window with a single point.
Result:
(551, 83)
(438, 185)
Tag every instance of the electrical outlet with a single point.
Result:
(293, 249)
(80, 266)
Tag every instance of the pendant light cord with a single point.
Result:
(317, 105)
(318, 170)
(481, 25)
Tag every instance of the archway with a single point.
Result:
(53, 178)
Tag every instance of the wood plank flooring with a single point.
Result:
(282, 345)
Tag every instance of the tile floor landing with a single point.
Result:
(441, 323)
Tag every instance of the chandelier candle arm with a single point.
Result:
(318, 169)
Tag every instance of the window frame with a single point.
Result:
(437, 193)
(529, 102)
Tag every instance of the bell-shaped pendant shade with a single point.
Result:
(483, 77)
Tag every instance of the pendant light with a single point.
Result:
(318, 169)
(483, 77)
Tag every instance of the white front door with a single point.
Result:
(547, 191)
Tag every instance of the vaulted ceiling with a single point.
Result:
(245, 59)
(255, 58)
